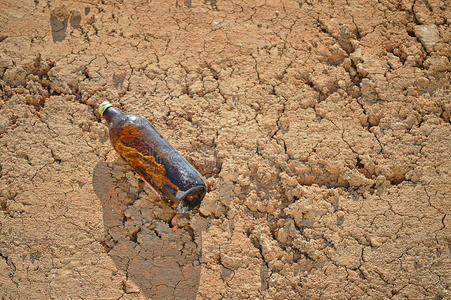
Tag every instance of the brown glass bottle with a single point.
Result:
(158, 163)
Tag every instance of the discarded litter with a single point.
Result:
(155, 160)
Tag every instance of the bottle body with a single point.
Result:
(158, 163)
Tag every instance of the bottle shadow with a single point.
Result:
(160, 262)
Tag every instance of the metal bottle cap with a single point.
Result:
(103, 106)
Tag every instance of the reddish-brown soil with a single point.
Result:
(322, 128)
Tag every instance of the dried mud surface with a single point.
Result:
(322, 129)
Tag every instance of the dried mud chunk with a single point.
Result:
(305, 212)
(131, 287)
(446, 112)
(334, 55)
(428, 36)
(270, 250)
(5, 62)
(437, 64)
(287, 232)
(75, 18)
(230, 262)
(306, 247)
(4, 123)
(118, 78)
(15, 76)
(340, 218)
(58, 21)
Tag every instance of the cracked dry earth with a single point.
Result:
(322, 129)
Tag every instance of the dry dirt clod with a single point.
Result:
(58, 22)
(75, 18)
(3, 125)
(428, 35)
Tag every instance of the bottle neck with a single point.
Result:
(111, 113)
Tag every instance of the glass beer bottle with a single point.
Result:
(155, 160)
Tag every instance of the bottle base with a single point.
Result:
(191, 199)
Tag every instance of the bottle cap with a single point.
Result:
(103, 106)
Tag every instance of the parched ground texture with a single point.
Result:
(322, 129)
